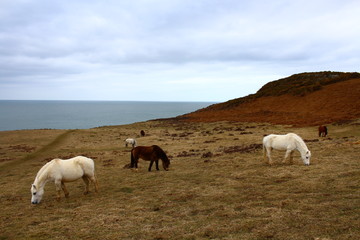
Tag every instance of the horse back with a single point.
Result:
(280, 142)
(148, 152)
(87, 164)
(76, 167)
(143, 152)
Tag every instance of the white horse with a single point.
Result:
(61, 171)
(288, 142)
(130, 141)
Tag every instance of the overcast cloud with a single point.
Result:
(169, 50)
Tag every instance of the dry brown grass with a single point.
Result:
(218, 186)
(331, 103)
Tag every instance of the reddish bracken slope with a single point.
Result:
(319, 98)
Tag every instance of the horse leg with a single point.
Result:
(287, 155)
(134, 160)
(66, 192)
(58, 189)
(157, 164)
(264, 154)
(151, 163)
(268, 151)
(291, 157)
(86, 181)
(94, 180)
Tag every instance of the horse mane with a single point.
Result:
(300, 141)
(40, 175)
(161, 153)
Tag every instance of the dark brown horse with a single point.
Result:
(152, 154)
(323, 131)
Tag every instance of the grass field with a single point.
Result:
(218, 186)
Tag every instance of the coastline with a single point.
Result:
(22, 115)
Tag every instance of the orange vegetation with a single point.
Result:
(339, 101)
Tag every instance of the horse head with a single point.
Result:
(36, 194)
(166, 163)
(165, 160)
(306, 158)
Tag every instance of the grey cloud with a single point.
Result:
(86, 39)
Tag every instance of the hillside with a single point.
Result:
(301, 100)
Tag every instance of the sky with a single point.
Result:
(169, 50)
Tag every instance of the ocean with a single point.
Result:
(21, 114)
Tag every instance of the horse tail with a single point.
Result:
(263, 146)
(264, 149)
(132, 159)
(264, 152)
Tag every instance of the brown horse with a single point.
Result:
(323, 131)
(152, 154)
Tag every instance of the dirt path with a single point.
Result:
(39, 153)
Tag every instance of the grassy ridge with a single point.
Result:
(306, 99)
(218, 186)
(304, 83)
(297, 85)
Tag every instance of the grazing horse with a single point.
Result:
(152, 154)
(142, 133)
(288, 142)
(323, 131)
(130, 141)
(61, 171)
